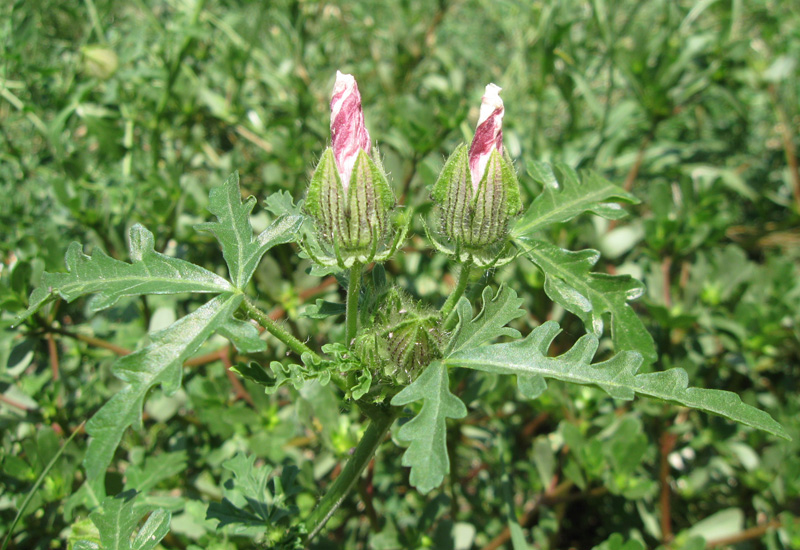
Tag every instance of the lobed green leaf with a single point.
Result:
(617, 376)
(564, 198)
(427, 432)
(149, 272)
(161, 362)
(570, 283)
(499, 309)
(255, 497)
(240, 248)
(117, 521)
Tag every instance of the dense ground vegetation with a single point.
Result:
(114, 113)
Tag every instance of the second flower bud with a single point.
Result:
(477, 191)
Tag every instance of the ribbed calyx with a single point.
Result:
(355, 219)
(476, 221)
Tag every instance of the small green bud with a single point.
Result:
(99, 62)
(404, 339)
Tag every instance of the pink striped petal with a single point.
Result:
(348, 133)
(488, 134)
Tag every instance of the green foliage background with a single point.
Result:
(114, 114)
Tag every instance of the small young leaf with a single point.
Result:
(323, 309)
(155, 469)
(490, 323)
(281, 204)
(118, 519)
(617, 376)
(427, 432)
(563, 199)
(255, 498)
(570, 283)
(240, 248)
(159, 363)
(616, 542)
(109, 280)
(295, 374)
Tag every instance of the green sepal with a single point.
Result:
(369, 201)
(325, 197)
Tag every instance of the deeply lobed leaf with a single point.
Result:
(427, 432)
(161, 362)
(564, 198)
(255, 498)
(499, 309)
(117, 521)
(617, 376)
(149, 272)
(570, 283)
(241, 249)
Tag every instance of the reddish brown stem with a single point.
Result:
(747, 534)
(637, 165)
(788, 145)
(634, 171)
(13, 403)
(92, 341)
(52, 350)
(238, 388)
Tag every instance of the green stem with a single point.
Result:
(277, 330)
(341, 487)
(351, 310)
(458, 292)
(38, 483)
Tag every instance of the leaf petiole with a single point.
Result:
(277, 330)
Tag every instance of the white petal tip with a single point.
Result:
(490, 102)
(344, 80)
(492, 89)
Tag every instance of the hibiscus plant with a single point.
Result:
(395, 353)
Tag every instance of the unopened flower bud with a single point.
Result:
(349, 196)
(99, 62)
(478, 191)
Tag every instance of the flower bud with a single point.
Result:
(349, 196)
(477, 191)
(99, 62)
(403, 339)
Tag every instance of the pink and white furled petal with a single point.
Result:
(348, 133)
(488, 134)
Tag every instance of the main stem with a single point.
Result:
(351, 309)
(461, 286)
(341, 487)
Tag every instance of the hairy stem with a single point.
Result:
(341, 487)
(458, 292)
(277, 330)
(351, 311)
